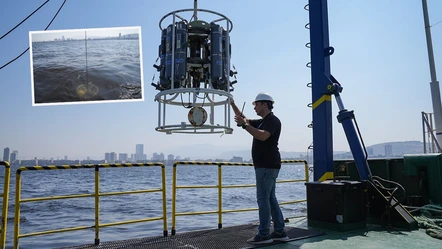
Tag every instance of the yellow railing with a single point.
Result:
(96, 195)
(5, 196)
(220, 186)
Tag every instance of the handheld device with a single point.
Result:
(241, 113)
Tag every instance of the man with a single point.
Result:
(267, 163)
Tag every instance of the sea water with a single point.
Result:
(109, 68)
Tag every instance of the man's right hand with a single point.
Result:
(240, 120)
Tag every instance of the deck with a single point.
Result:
(301, 236)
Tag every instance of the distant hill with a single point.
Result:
(378, 150)
(398, 148)
(208, 151)
(247, 154)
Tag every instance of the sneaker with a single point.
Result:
(279, 236)
(260, 240)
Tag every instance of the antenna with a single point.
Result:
(195, 10)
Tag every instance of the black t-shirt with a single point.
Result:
(265, 154)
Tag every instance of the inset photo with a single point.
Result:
(86, 66)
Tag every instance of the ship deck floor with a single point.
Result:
(373, 236)
(301, 237)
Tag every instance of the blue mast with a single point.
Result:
(321, 96)
(323, 86)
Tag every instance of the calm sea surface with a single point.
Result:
(57, 214)
(110, 69)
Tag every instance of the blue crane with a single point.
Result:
(349, 201)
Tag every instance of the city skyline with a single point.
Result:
(11, 155)
(79, 34)
(377, 150)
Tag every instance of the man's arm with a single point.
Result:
(259, 134)
(236, 109)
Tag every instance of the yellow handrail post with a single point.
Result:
(306, 171)
(17, 207)
(220, 198)
(5, 203)
(97, 205)
(173, 197)
(163, 186)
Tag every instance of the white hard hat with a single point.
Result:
(263, 97)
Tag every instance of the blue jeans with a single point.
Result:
(267, 202)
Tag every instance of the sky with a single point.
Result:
(380, 60)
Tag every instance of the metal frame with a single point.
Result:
(163, 100)
(96, 195)
(186, 127)
(434, 84)
(428, 130)
(220, 186)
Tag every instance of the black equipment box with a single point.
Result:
(336, 205)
